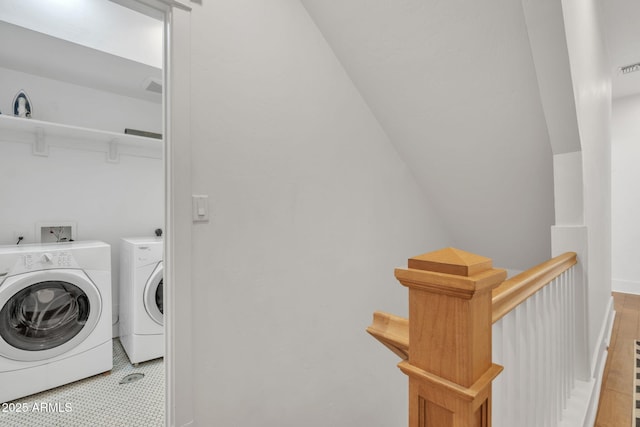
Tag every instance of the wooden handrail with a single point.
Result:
(454, 298)
(392, 331)
(517, 289)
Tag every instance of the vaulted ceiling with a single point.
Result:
(454, 86)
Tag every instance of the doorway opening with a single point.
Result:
(78, 144)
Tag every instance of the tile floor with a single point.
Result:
(100, 401)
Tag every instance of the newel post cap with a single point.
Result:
(451, 271)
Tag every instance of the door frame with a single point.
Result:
(178, 328)
(179, 410)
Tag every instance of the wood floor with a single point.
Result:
(616, 402)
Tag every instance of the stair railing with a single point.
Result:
(457, 301)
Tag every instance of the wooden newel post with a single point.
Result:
(449, 365)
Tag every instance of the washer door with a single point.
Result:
(44, 314)
(153, 295)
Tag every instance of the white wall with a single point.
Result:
(625, 203)
(311, 210)
(106, 200)
(592, 91)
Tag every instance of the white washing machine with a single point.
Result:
(55, 315)
(141, 298)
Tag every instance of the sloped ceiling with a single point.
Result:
(453, 84)
(93, 43)
(40, 54)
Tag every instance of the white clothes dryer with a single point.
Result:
(141, 298)
(55, 315)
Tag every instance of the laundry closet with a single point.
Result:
(80, 161)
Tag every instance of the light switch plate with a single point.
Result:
(200, 208)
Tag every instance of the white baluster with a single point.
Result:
(499, 397)
(511, 359)
(561, 344)
(523, 350)
(563, 358)
(536, 381)
(572, 324)
(555, 363)
(528, 353)
(567, 342)
(546, 371)
(535, 343)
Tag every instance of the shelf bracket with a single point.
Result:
(40, 146)
(113, 155)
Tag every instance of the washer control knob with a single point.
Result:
(47, 257)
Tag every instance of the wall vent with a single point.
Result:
(630, 68)
(153, 85)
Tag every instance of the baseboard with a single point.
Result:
(592, 409)
(625, 286)
(582, 407)
(601, 358)
(611, 314)
(577, 412)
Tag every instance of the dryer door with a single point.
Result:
(153, 295)
(46, 313)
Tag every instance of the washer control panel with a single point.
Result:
(44, 261)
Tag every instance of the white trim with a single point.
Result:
(611, 314)
(154, 8)
(171, 3)
(599, 357)
(177, 243)
(582, 407)
(578, 406)
(625, 286)
(177, 180)
(592, 407)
